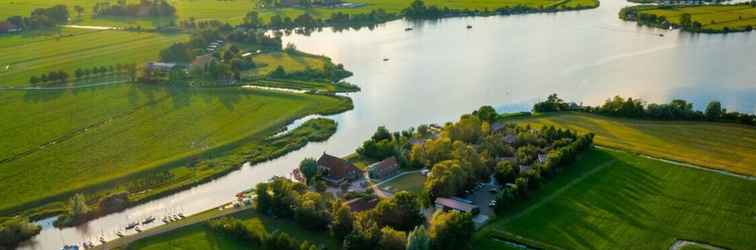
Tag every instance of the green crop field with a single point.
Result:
(55, 141)
(711, 17)
(616, 200)
(201, 237)
(725, 146)
(31, 54)
(233, 11)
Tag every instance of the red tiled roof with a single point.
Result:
(337, 168)
(385, 166)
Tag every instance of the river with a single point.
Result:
(441, 69)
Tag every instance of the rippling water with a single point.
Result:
(440, 70)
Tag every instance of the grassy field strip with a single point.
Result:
(635, 202)
(684, 164)
(80, 86)
(559, 191)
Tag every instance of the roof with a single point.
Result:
(7, 26)
(510, 138)
(202, 60)
(361, 204)
(161, 65)
(454, 204)
(337, 168)
(385, 166)
(497, 126)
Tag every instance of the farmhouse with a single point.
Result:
(447, 204)
(161, 66)
(335, 170)
(384, 168)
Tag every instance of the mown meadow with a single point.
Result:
(35, 53)
(730, 147)
(67, 140)
(200, 236)
(617, 200)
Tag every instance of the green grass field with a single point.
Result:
(725, 146)
(412, 183)
(201, 237)
(711, 17)
(291, 62)
(615, 200)
(32, 54)
(61, 141)
(234, 11)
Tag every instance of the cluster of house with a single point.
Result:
(7, 27)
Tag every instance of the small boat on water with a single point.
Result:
(181, 215)
(119, 234)
(131, 225)
(71, 247)
(148, 220)
(469, 26)
(407, 29)
(102, 240)
(166, 220)
(385, 59)
(661, 35)
(138, 229)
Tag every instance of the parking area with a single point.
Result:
(482, 198)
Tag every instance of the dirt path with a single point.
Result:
(123, 242)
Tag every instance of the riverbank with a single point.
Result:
(709, 18)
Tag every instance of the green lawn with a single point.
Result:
(412, 183)
(58, 141)
(291, 62)
(725, 146)
(631, 202)
(711, 17)
(201, 237)
(233, 11)
(32, 54)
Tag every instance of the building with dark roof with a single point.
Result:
(362, 204)
(335, 170)
(384, 168)
(447, 204)
(7, 27)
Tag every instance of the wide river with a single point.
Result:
(441, 69)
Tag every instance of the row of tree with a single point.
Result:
(16, 230)
(52, 77)
(419, 10)
(520, 184)
(144, 8)
(41, 18)
(60, 76)
(278, 240)
(685, 21)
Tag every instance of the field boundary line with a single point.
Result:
(684, 164)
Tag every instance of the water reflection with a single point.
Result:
(440, 70)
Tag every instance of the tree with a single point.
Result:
(418, 239)
(713, 111)
(486, 113)
(365, 235)
(34, 80)
(392, 239)
(281, 241)
(504, 173)
(451, 230)
(685, 21)
(16, 230)
(401, 212)
(79, 10)
(77, 207)
(263, 198)
(341, 225)
(279, 72)
(79, 73)
(309, 169)
(447, 178)
(381, 134)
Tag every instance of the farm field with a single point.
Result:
(234, 11)
(735, 17)
(412, 183)
(35, 53)
(201, 237)
(96, 135)
(724, 146)
(616, 200)
(291, 62)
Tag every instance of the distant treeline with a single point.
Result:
(145, 8)
(685, 21)
(418, 10)
(636, 108)
(307, 21)
(41, 18)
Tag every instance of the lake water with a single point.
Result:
(441, 69)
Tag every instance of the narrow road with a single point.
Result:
(90, 27)
(123, 242)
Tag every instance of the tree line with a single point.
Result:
(16, 230)
(41, 18)
(676, 109)
(419, 10)
(685, 21)
(60, 76)
(144, 8)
